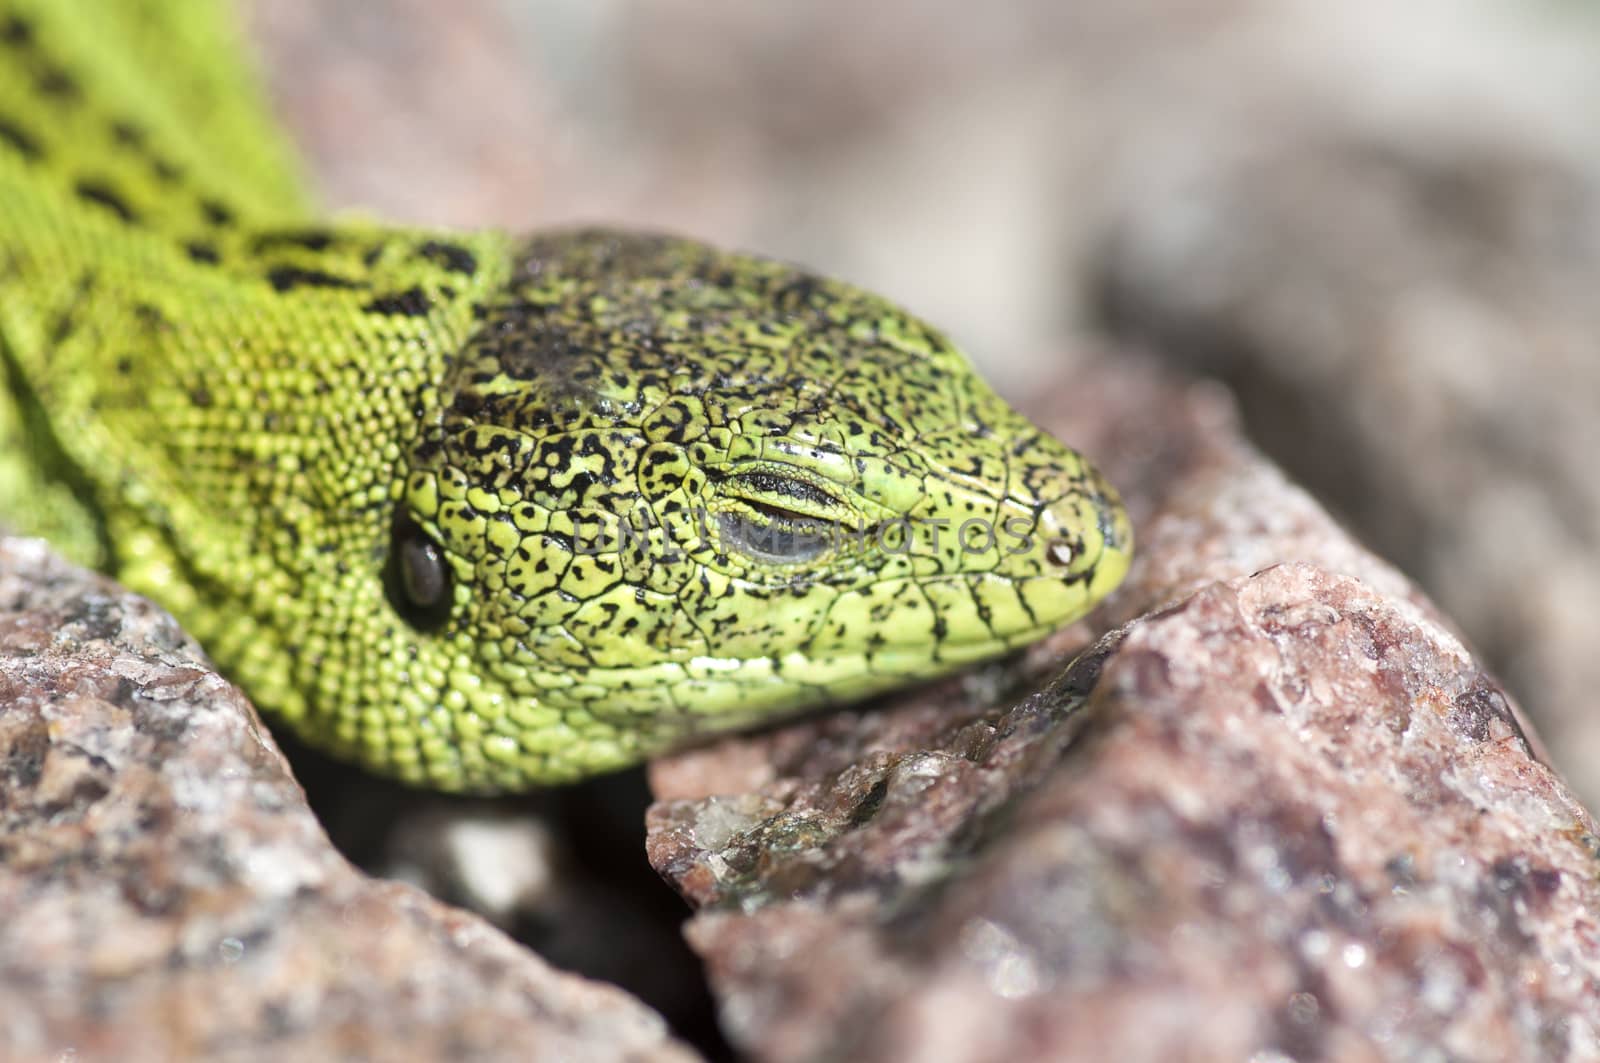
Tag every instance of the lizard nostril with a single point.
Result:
(1060, 552)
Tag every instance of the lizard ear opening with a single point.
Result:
(417, 578)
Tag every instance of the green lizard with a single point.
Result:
(480, 511)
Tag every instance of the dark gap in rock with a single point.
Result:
(591, 904)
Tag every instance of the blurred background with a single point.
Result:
(1378, 223)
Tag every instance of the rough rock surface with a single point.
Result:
(1278, 813)
(165, 893)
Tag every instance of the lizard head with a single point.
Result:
(674, 490)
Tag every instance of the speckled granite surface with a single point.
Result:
(165, 893)
(1278, 813)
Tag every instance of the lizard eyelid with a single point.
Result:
(771, 484)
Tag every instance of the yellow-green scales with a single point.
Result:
(381, 473)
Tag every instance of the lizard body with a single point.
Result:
(479, 511)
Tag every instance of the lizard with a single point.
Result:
(483, 511)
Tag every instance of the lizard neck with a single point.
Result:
(230, 419)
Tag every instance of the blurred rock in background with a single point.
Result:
(1377, 222)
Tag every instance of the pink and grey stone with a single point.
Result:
(1278, 811)
(165, 892)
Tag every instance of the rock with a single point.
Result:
(165, 892)
(1277, 811)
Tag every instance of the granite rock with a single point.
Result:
(1273, 810)
(165, 892)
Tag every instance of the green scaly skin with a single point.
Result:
(382, 474)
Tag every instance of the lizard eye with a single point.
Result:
(780, 519)
(419, 576)
(777, 535)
